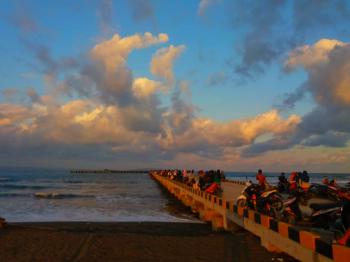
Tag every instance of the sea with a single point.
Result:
(47, 195)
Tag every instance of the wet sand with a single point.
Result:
(124, 241)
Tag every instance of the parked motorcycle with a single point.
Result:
(314, 206)
(265, 201)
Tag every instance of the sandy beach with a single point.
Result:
(146, 241)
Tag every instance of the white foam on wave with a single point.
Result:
(57, 195)
(46, 195)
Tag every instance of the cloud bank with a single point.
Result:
(102, 106)
(273, 27)
(327, 63)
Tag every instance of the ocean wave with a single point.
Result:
(14, 195)
(54, 195)
(15, 186)
(73, 181)
(4, 179)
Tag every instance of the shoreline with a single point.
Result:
(128, 241)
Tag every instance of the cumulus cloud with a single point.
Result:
(182, 112)
(330, 138)
(272, 28)
(290, 99)
(327, 65)
(101, 117)
(328, 69)
(10, 94)
(141, 129)
(143, 87)
(245, 132)
(122, 116)
(105, 74)
(258, 47)
(309, 56)
(163, 59)
(113, 53)
(11, 114)
(207, 134)
(75, 122)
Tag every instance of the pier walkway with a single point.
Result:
(274, 235)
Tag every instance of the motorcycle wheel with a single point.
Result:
(289, 217)
(345, 215)
(275, 203)
(337, 228)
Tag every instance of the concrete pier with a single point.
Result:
(107, 171)
(274, 235)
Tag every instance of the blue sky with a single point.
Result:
(233, 64)
(210, 44)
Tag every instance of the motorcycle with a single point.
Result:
(314, 206)
(268, 202)
(343, 195)
(338, 192)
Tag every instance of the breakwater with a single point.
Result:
(276, 236)
(107, 171)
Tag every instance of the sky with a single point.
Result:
(199, 84)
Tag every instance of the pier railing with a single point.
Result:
(274, 235)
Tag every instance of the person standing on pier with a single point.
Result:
(261, 178)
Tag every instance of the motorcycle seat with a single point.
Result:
(317, 207)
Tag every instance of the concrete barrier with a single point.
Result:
(276, 236)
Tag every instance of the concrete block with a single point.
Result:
(308, 239)
(341, 253)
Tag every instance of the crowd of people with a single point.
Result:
(208, 181)
(295, 180)
(300, 180)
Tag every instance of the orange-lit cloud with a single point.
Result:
(143, 87)
(236, 133)
(309, 56)
(327, 62)
(145, 128)
(114, 52)
(162, 61)
(327, 68)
